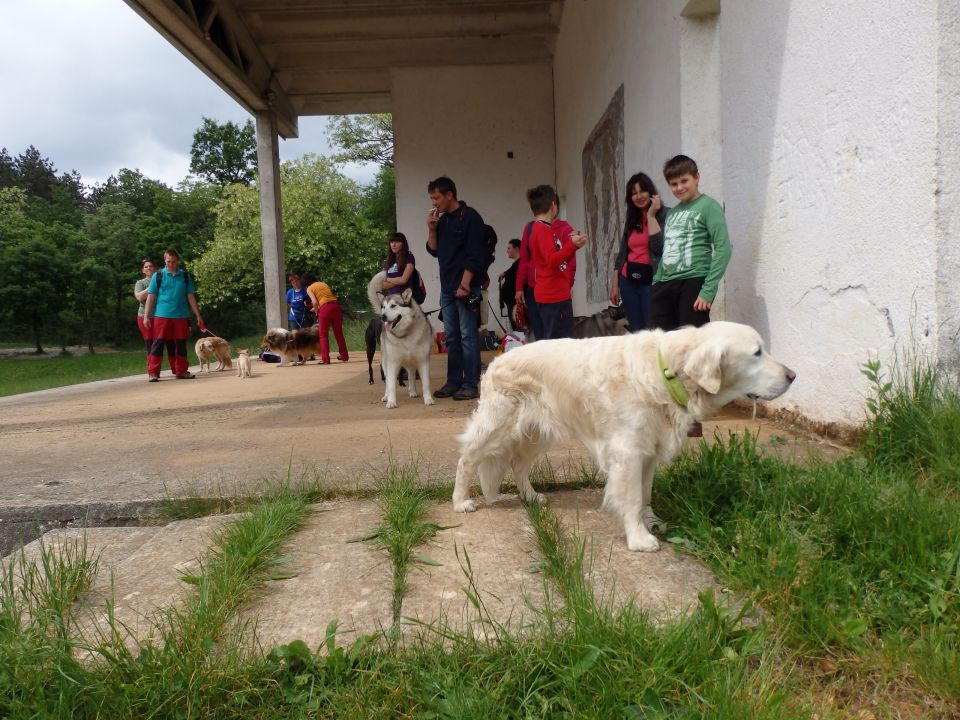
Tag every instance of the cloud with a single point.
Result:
(95, 89)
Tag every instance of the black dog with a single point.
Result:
(372, 338)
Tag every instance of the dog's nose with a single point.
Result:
(791, 375)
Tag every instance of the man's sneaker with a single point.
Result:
(466, 394)
(696, 430)
(446, 391)
(154, 378)
(186, 376)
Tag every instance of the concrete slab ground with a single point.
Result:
(106, 453)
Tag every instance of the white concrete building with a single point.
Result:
(829, 131)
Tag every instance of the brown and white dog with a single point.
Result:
(208, 348)
(295, 346)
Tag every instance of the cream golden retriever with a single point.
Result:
(610, 394)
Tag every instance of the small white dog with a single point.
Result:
(243, 363)
(630, 399)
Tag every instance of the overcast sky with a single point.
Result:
(95, 89)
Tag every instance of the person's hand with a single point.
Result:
(614, 295)
(701, 305)
(521, 300)
(432, 218)
(655, 204)
(502, 275)
(147, 320)
(578, 239)
(463, 292)
(201, 325)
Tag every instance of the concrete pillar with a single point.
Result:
(271, 220)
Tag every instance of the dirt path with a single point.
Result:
(128, 439)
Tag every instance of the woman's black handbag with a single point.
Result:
(639, 273)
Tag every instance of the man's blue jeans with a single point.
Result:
(461, 326)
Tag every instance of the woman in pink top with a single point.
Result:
(640, 249)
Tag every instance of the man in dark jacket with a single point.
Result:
(455, 236)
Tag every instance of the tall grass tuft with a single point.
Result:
(914, 420)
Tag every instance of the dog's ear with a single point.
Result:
(406, 296)
(703, 366)
(381, 296)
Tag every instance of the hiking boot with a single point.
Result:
(696, 430)
(343, 358)
(186, 376)
(466, 394)
(446, 391)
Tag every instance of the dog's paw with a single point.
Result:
(652, 522)
(642, 542)
(413, 393)
(428, 400)
(391, 404)
(466, 506)
(383, 399)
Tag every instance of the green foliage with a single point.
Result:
(34, 260)
(362, 138)
(325, 232)
(381, 200)
(914, 420)
(224, 154)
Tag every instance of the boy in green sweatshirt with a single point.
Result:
(696, 250)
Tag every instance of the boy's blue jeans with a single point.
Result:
(461, 326)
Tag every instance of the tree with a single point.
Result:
(326, 231)
(33, 264)
(224, 154)
(381, 200)
(363, 138)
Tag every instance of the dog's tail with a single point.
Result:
(375, 290)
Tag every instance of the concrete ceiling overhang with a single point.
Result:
(327, 57)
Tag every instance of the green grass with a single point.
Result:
(845, 577)
(21, 374)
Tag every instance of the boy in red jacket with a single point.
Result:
(551, 264)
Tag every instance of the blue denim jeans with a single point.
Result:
(636, 303)
(461, 326)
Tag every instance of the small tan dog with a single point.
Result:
(243, 363)
(208, 348)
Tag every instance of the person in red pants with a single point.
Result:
(140, 293)
(329, 315)
(170, 298)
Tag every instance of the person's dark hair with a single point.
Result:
(171, 251)
(293, 275)
(514, 243)
(679, 165)
(635, 216)
(307, 279)
(145, 261)
(442, 185)
(541, 198)
(399, 258)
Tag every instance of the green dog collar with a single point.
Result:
(676, 389)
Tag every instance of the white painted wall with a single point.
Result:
(830, 160)
(462, 122)
(838, 124)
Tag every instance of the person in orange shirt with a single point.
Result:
(329, 314)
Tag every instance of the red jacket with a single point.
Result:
(551, 264)
(525, 273)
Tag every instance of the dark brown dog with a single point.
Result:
(609, 321)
